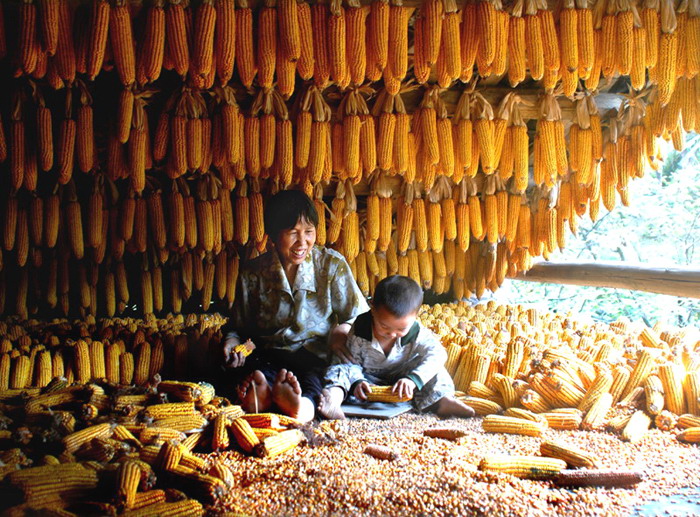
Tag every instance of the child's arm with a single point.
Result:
(433, 357)
(347, 374)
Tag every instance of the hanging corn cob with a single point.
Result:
(319, 150)
(320, 27)
(397, 47)
(517, 68)
(337, 212)
(66, 143)
(350, 110)
(177, 51)
(138, 145)
(350, 225)
(283, 165)
(245, 53)
(489, 34)
(550, 146)
(534, 49)
(690, 40)
(449, 64)
(665, 71)
(337, 54)
(377, 45)
(122, 42)
(482, 114)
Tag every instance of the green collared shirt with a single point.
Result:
(274, 314)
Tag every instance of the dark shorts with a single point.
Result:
(308, 368)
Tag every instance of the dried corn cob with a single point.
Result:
(384, 394)
(599, 478)
(448, 433)
(528, 467)
(573, 456)
(510, 425)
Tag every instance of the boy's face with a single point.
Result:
(387, 326)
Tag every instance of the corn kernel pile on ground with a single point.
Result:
(623, 397)
(433, 476)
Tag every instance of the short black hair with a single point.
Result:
(285, 209)
(400, 295)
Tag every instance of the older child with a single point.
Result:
(389, 347)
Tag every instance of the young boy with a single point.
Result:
(389, 347)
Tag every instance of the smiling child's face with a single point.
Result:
(387, 327)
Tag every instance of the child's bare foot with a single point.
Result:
(254, 393)
(286, 394)
(450, 406)
(329, 403)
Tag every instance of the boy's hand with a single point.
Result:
(231, 358)
(404, 388)
(362, 390)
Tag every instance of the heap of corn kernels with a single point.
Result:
(540, 380)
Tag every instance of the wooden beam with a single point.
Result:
(683, 282)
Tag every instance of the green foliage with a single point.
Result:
(661, 228)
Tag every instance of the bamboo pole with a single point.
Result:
(683, 282)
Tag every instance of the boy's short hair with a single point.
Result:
(400, 295)
(285, 209)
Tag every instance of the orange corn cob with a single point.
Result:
(267, 45)
(337, 41)
(517, 68)
(28, 42)
(319, 21)
(48, 17)
(97, 41)
(290, 37)
(355, 43)
(203, 47)
(534, 49)
(122, 42)
(245, 56)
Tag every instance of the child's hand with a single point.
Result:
(404, 388)
(362, 390)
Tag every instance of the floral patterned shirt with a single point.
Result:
(274, 314)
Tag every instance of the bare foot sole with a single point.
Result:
(329, 407)
(286, 393)
(254, 393)
(448, 406)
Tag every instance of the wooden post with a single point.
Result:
(684, 282)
